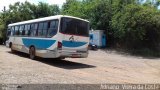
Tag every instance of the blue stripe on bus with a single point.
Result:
(73, 44)
(38, 43)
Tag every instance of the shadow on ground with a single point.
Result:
(137, 54)
(65, 64)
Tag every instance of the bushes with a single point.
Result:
(2, 36)
(1, 41)
(137, 27)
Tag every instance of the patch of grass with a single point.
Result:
(145, 52)
(142, 52)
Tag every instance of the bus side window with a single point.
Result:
(26, 30)
(16, 30)
(45, 27)
(21, 30)
(34, 29)
(52, 28)
(29, 30)
(40, 29)
(12, 31)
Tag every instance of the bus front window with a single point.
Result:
(8, 33)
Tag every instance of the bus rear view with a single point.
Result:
(75, 37)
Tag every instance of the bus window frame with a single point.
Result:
(31, 29)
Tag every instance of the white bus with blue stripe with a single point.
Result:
(50, 37)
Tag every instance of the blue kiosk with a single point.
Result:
(98, 37)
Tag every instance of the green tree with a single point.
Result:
(137, 26)
(44, 10)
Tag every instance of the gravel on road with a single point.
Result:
(101, 66)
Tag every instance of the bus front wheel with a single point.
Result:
(32, 53)
(11, 46)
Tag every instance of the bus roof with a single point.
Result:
(44, 19)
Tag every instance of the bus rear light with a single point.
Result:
(59, 45)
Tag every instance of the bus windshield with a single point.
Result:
(8, 31)
(74, 27)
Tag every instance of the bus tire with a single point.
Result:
(11, 46)
(32, 53)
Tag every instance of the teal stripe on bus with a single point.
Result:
(73, 44)
(38, 43)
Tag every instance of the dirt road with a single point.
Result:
(99, 67)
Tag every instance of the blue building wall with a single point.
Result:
(98, 37)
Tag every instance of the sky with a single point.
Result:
(8, 2)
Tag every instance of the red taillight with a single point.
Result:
(59, 45)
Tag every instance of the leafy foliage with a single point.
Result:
(137, 26)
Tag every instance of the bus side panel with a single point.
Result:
(9, 41)
(19, 46)
(45, 47)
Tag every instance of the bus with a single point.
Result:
(59, 36)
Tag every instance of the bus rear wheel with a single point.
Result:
(32, 53)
